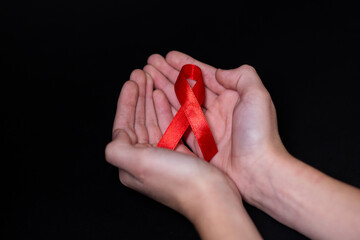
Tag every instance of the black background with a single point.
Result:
(64, 62)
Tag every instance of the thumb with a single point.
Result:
(119, 149)
(239, 79)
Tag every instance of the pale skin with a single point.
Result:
(242, 118)
(178, 179)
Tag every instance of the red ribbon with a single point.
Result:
(190, 113)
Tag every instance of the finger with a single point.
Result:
(138, 76)
(126, 107)
(163, 110)
(162, 83)
(178, 59)
(160, 64)
(170, 74)
(119, 147)
(129, 157)
(165, 115)
(240, 79)
(152, 125)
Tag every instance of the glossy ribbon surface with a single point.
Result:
(190, 113)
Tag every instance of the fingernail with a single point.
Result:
(115, 133)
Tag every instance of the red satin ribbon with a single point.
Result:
(191, 113)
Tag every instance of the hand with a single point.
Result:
(240, 114)
(178, 178)
(242, 118)
(142, 166)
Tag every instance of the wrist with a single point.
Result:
(219, 213)
(208, 192)
(306, 199)
(262, 186)
(278, 186)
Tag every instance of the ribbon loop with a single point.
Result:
(190, 113)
